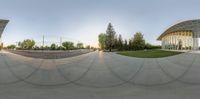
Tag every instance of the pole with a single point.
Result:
(43, 42)
(60, 41)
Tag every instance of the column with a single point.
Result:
(195, 41)
(162, 43)
(170, 41)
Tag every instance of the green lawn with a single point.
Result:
(149, 53)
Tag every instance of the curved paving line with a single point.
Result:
(19, 78)
(181, 76)
(88, 69)
(149, 85)
(123, 79)
(186, 53)
(132, 82)
(36, 84)
(84, 74)
(79, 78)
(39, 84)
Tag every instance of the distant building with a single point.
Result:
(181, 36)
(3, 24)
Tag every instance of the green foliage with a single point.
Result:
(79, 45)
(120, 43)
(102, 40)
(54, 46)
(88, 47)
(138, 41)
(149, 46)
(68, 45)
(61, 48)
(110, 37)
(11, 46)
(27, 44)
(125, 45)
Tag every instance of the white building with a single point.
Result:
(181, 36)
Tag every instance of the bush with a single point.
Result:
(53, 46)
(149, 46)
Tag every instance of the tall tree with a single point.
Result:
(125, 45)
(110, 32)
(115, 45)
(120, 42)
(138, 41)
(102, 40)
(130, 44)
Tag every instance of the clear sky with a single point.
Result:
(83, 20)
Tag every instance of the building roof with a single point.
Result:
(3, 24)
(189, 25)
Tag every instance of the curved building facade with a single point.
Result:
(181, 36)
(3, 24)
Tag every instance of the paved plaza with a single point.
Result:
(100, 75)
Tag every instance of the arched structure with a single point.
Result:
(182, 36)
(3, 24)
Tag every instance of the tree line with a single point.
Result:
(111, 41)
(29, 44)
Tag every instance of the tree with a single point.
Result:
(138, 41)
(130, 44)
(27, 44)
(11, 46)
(125, 45)
(115, 45)
(110, 36)
(148, 46)
(53, 46)
(120, 42)
(102, 40)
(68, 45)
(79, 45)
(88, 47)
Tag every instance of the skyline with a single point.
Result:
(78, 20)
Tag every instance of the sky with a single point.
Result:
(83, 20)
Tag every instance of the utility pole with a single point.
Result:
(43, 42)
(60, 41)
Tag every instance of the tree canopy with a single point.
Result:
(68, 45)
(27, 44)
(12, 46)
(110, 40)
(102, 40)
(79, 45)
(53, 46)
(110, 37)
(138, 41)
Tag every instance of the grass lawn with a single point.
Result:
(149, 53)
